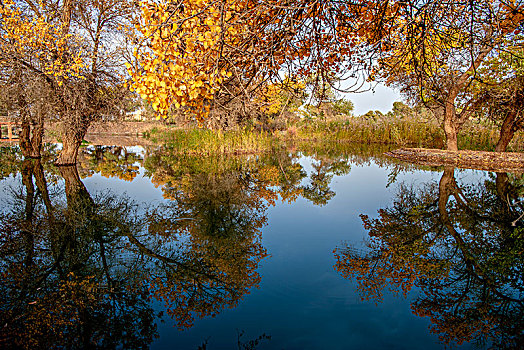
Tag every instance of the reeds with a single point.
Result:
(204, 141)
(408, 131)
(412, 132)
(402, 132)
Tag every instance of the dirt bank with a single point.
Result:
(108, 133)
(490, 161)
(124, 128)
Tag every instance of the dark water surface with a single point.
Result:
(317, 247)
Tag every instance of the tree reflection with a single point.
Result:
(318, 190)
(61, 286)
(109, 161)
(462, 246)
(271, 175)
(80, 271)
(218, 246)
(331, 159)
(267, 177)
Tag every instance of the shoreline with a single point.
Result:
(480, 160)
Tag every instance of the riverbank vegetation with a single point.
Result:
(205, 141)
(394, 128)
(412, 132)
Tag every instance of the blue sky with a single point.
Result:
(381, 99)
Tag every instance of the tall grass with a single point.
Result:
(402, 132)
(399, 132)
(204, 141)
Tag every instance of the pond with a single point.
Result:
(308, 247)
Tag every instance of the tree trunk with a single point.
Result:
(452, 122)
(32, 129)
(25, 135)
(69, 152)
(72, 136)
(37, 135)
(506, 132)
(450, 126)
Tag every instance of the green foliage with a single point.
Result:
(343, 107)
(11, 158)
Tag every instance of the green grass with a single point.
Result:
(398, 132)
(402, 132)
(203, 141)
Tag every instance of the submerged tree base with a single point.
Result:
(490, 161)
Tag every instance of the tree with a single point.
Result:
(62, 63)
(432, 51)
(281, 100)
(343, 107)
(503, 97)
(35, 57)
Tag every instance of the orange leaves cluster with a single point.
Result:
(34, 38)
(179, 64)
(194, 49)
(275, 97)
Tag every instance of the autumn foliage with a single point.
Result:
(180, 65)
(32, 40)
(194, 52)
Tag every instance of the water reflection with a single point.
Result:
(85, 269)
(61, 285)
(461, 245)
(273, 175)
(109, 161)
(81, 270)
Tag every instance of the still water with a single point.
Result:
(313, 247)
